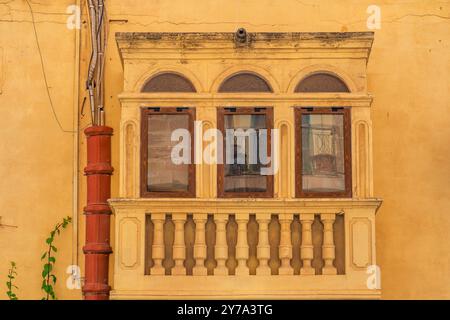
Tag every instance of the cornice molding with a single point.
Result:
(292, 206)
(296, 99)
(260, 45)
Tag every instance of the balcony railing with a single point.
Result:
(244, 248)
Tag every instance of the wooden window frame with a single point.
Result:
(221, 113)
(345, 111)
(145, 111)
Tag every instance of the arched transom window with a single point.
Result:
(245, 82)
(321, 82)
(168, 82)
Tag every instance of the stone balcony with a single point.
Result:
(243, 248)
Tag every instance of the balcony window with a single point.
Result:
(161, 176)
(323, 153)
(246, 133)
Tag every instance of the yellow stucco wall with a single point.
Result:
(407, 75)
(36, 155)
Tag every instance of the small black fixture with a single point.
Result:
(241, 35)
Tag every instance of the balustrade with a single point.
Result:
(263, 252)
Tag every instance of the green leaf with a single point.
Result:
(47, 269)
(8, 284)
(54, 248)
(49, 240)
(54, 278)
(52, 259)
(47, 288)
(44, 255)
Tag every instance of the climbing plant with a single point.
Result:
(48, 278)
(11, 276)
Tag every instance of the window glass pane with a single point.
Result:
(323, 153)
(244, 174)
(163, 175)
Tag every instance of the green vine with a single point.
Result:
(49, 279)
(11, 276)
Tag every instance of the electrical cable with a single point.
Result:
(43, 71)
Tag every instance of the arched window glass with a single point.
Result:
(168, 82)
(321, 82)
(245, 82)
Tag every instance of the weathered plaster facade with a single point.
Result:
(405, 83)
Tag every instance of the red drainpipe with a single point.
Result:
(97, 211)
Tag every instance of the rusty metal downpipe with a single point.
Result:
(97, 212)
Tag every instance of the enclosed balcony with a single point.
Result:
(204, 230)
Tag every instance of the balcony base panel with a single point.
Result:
(256, 287)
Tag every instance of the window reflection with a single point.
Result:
(163, 175)
(323, 153)
(244, 174)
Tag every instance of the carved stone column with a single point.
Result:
(158, 244)
(263, 249)
(328, 247)
(285, 249)
(179, 246)
(221, 248)
(200, 245)
(307, 249)
(242, 245)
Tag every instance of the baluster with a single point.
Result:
(242, 245)
(221, 248)
(263, 250)
(307, 249)
(328, 247)
(158, 244)
(200, 245)
(179, 246)
(285, 249)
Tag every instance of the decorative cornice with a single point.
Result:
(260, 45)
(230, 206)
(230, 36)
(296, 99)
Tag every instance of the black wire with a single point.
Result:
(43, 71)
